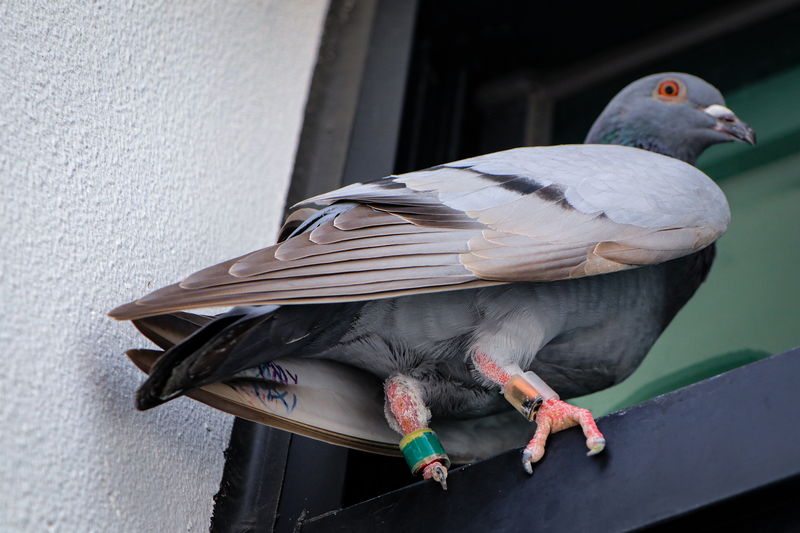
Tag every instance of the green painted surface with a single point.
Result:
(750, 306)
(770, 107)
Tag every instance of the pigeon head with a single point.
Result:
(674, 114)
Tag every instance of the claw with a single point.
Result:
(595, 447)
(438, 472)
(440, 475)
(526, 461)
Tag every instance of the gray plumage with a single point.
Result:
(680, 126)
(569, 261)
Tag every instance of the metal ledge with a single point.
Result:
(667, 458)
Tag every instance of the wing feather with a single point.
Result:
(254, 269)
(363, 216)
(530, 214)
(329, 234)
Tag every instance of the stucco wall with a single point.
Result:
(139, 141)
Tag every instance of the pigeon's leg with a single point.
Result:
(536, 401)
(408, 415)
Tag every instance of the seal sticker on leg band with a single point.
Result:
(526, 392)
(421, 448)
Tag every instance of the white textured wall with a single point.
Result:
(139, 141)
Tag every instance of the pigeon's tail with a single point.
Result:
(198, 351)
(168, 330)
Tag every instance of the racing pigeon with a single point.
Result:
(540, 273)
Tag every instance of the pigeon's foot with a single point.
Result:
(554, 416)
(407, 413)
(532, 397)
(437, 471)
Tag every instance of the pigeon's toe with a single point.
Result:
(595, 445)
(438, 472)
(527, 459)
(555, 416)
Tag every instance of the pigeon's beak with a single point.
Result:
(729, 123)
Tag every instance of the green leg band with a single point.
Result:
(421, 448)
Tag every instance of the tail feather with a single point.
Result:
(168, 330)
(199, 359)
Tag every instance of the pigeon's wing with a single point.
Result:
(530, 214)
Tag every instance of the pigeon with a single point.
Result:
(518, 278)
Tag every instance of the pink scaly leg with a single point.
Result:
(553, 416)
(404, 400)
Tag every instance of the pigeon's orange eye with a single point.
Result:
(669, 88)
(671, 91)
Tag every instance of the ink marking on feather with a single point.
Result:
(270, 372)
(275, 372)
(269, 395)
